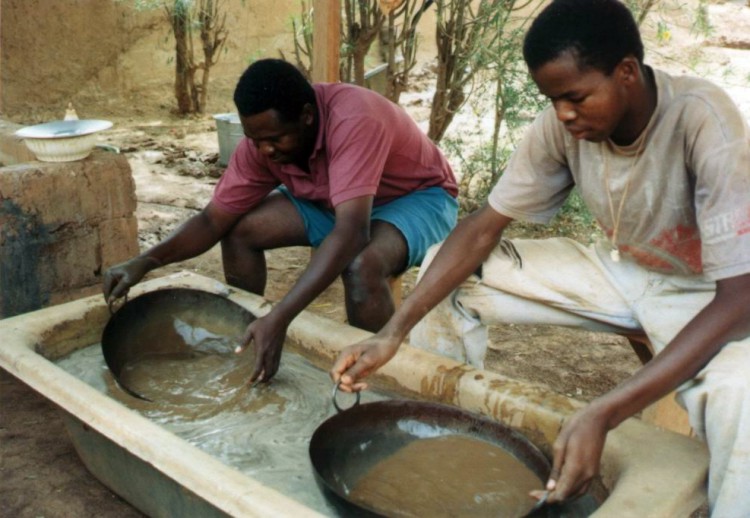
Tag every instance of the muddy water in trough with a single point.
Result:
(264, 431)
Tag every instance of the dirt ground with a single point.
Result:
(174, 164)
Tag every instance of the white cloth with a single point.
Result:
(561, 282)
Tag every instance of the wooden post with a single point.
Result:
(326, 40)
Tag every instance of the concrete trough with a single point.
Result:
(646, 472)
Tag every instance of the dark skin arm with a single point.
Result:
(349, 237)
(578, 448)
(194, 237)
(464, 250)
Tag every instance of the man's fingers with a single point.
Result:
(120, 290)
(553, 482)
(107, 286)
(272, 365)
(561, 491)
(342, 364)
(247, 337)
(581, 490)
(258, 371)
(347, 370)
(573, 482)
(257, 376)
(266, 366)
(349, 384)
(554, 474)
(358, 370)
(558, 457)
(357, 362)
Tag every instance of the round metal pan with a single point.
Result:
(347, 445)
(176, 322)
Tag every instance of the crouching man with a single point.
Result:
(331, 166)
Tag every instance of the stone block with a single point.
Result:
(91, 190)
(72, 261)
(61, 224)
(118, 241)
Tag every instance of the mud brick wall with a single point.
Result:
(61, 225)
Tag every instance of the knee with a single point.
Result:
(727, 400)
(363, 275)
(242, 236)
(721, 391)
(727, 371)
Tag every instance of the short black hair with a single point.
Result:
(273, 84)
(600, 33)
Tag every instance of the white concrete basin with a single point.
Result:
(646, 472)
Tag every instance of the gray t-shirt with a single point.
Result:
(687, 194)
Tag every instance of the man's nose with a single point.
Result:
(564, 111)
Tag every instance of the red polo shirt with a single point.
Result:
(366, 145)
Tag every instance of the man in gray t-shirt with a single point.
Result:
(674, 200)
(663, 163)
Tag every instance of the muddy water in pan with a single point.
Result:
(263, 431)
(480, 481)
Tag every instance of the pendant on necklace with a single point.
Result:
(615, 254)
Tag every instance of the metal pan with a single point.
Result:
(175, 323)
(347, 446)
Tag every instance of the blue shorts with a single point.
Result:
(423, 217)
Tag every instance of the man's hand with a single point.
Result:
(577, 454)
(268, 333)
(360, 360)
(120, 278)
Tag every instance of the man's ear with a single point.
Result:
(308, 114)
(628, 71)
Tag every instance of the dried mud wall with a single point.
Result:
(61, 225)
(108, 58)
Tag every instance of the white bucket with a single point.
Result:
(230, 133)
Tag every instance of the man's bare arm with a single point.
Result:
(463, 251)
(578, 448)
(194, 237)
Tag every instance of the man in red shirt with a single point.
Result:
(332, 166)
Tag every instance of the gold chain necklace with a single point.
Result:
(614, 253)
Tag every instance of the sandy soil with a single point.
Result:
(174, 163)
